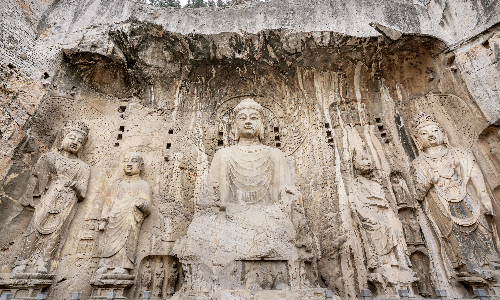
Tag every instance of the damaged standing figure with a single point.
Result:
(456, 202)
(58, 182)
(127, 203)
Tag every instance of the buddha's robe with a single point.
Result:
(125, 207)
(454, 207)
(54, 210)
(249, 175)
(383, 236)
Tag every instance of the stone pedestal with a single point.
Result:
(24, 285)
(118, 283)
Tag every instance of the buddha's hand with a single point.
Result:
(141, 204)
(486, 200)
(435, 177)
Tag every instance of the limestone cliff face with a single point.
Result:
(331, 75)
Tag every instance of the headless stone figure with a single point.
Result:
(127, 204)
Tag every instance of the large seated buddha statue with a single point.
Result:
(249, 232)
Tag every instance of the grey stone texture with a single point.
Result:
(335, 80)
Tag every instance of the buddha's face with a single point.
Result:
(363, 163)
(248, 122)
(132, 164)
(73, 142)
(430, 136)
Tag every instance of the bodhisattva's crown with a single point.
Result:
(76, 125)
(422, 119)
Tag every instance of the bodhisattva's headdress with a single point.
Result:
(422, 119)
(139, 156)
(249, 103)
(75, 125)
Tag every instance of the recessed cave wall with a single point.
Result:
(170, 95)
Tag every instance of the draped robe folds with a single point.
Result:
(384, 244)
(56, 202)
(251, 175)
(454, 207)
(254, 223)
(124, 220)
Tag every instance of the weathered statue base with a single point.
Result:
(118, 283)
(24, 285)
(304, 294)
(390, 280)
(248, 251)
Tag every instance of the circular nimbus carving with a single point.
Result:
(54, 111)
(451, 112)
(283, 128)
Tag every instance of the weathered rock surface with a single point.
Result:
(334, 79)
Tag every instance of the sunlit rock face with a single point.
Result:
(280, 160)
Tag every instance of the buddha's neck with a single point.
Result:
(131, 178)
(435, 149)
(68, 154)
(253, 141)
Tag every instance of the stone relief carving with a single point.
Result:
(58, 182)
(456, 202)
(381, 230)
(127, 203)
(249, 210)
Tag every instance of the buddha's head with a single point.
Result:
(248, 120)
(75, 134)
(362, 162)
(428, 133)
(133, 164)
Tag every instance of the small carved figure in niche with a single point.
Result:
(173, 275)
(452, 187)
(159, 278)
(58, 182)
(146, 276)
(494, 147)
(127, 203)
(401, 191)
(382, 232)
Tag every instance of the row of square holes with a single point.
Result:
(121, 129)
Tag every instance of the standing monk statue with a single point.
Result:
(456, 201)
(127, 203)
(59, 180)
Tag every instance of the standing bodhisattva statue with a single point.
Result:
(59, 181)
(456, 201)
(127, 203)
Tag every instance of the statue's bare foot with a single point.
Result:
(41, 270)
(19, 269)
(120, 271)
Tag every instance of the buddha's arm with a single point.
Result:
(478, 181)
(422, 182)
(144, 200)
(81, 184)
